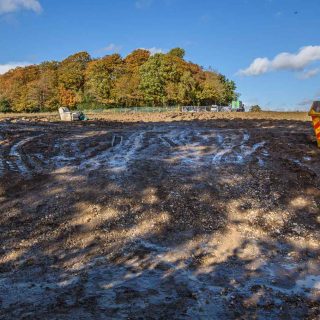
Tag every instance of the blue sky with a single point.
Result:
(270, 48)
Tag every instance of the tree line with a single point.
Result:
(139, 79)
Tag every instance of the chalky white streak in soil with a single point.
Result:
(183, 147)
(179, 220)
(15, 152)
(1, 155)
(116, 158)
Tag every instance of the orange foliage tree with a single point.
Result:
(136, 80)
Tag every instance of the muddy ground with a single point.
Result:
(159, 218)
(134, 117)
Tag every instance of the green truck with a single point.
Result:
(237, 106)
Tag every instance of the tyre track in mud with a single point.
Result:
(185, 227)
(116, 150)
(21, 161)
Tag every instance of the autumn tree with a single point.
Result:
(138, 79)
(44, 91)
(19, 85)
(101, 76)
(72, 78)
(136, 58)
(126, 88)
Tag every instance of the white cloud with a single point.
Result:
(111, 48)
(154, 50)
(309, 74)
(8, 6)
(140, 4)
(11, 65)
(258, 66)
(284, 61)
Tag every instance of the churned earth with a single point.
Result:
(174, 217)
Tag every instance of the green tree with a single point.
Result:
(212, 89)
(152, 84)
(187, 89)
(255, 108)
(178, 52)
(101, 77)
(5, 106)
(229, 90)
(160, 79)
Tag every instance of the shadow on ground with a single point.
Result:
(229, 240)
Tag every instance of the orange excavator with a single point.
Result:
(315, 115)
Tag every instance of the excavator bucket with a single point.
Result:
(315, 115)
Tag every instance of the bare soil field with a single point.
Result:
(159, 216)
(165, 116)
